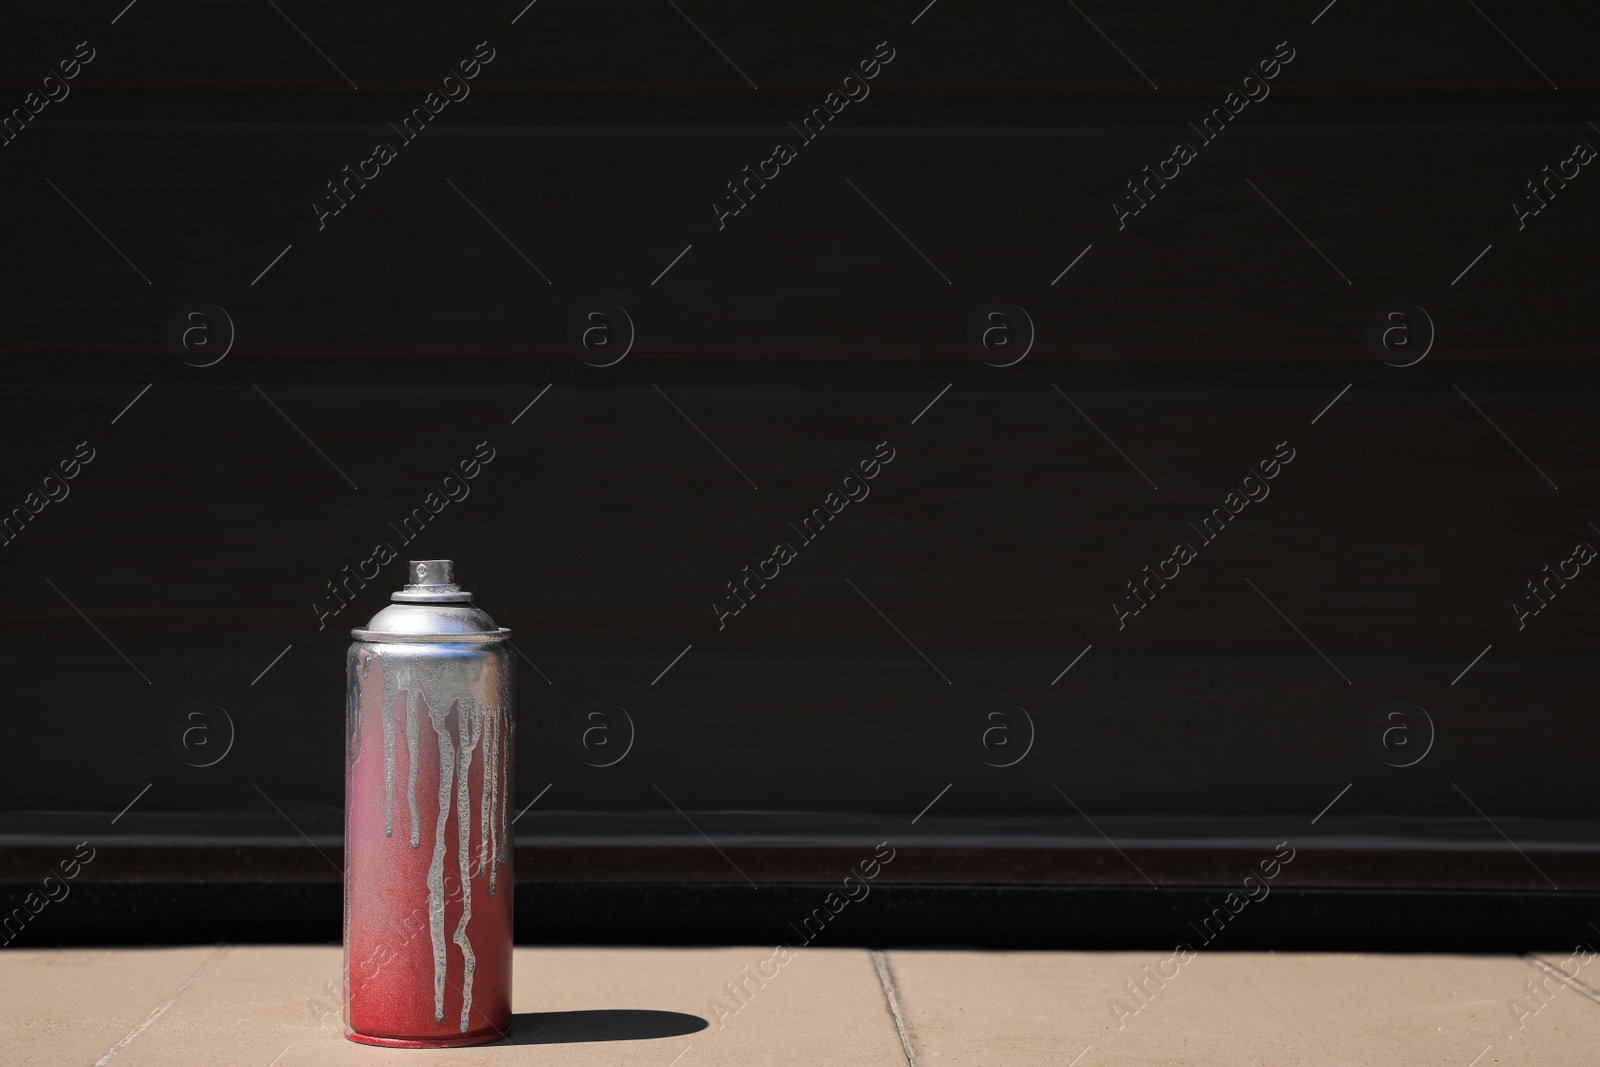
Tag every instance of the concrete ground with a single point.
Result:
(278, 1006)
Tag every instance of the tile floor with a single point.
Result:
(278, 1006)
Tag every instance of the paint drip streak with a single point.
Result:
(470, 724)
(447, 767)
(413, 727)
(388, 767)
(503, 791)
(484, 821)
(493, 832)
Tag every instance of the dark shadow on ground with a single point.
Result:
(565, 1027)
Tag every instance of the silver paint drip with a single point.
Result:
(490, 721)
(412, 727)
(470, 724)
(447, 766)
(503, 842)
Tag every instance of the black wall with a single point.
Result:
(1178, 352)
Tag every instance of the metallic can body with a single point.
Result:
(430, 738)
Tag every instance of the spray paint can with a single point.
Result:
(430, 734)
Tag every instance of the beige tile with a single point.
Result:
(823, 1006)
(970, 1008)
(73, 1005)
(249, 1005)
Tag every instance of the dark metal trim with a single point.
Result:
(1312, 867)
(904, 916)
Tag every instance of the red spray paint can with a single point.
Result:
(430, 735)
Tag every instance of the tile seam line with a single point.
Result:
(161, 1009)
(880, 964)
(1572, 983)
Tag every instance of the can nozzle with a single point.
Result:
(432, 576)
(431, 581)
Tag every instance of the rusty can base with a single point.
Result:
(479, 1037)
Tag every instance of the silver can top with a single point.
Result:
(431, 607)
